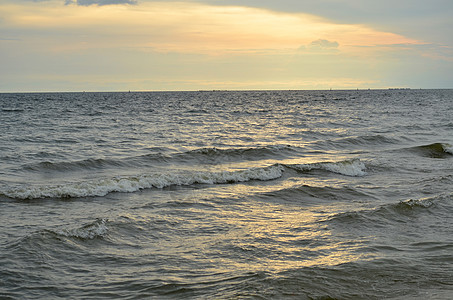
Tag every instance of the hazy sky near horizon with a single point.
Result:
(114, 45)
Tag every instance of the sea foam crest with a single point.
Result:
(128, 184)
(448, 148)
(411, 203)
(347, 167)
(90, 231)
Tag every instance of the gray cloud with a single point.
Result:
(99, 2)
(324, 44)
(320, 45)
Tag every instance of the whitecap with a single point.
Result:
(353, 167)
(129, 184)
(448, 148)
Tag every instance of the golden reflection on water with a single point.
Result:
(248, 229)
(289, 238)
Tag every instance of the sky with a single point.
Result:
(146, 45)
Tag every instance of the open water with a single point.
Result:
(227, 195)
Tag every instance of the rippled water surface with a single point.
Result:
(202, 195)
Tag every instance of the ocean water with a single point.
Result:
(227, 195)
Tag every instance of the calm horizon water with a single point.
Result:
(227, 195)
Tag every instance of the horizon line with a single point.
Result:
(226, 90)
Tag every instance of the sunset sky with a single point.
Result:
(116, 45)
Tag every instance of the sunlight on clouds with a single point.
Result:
(188, 28)
(189, 46)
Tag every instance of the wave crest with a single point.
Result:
(200, 156)
(436, 150)
(128, 184)
(414, 203)
(391, 213)
(353, 167)
(250, 153)
(91, 231)
(88, 164)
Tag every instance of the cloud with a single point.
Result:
(99, 2)
(420, 19)
(188, 27)
(95, 44)
(323, 44)
(320, 46)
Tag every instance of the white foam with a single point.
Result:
(425, 202)
(129, 184)
(347, 167)
(448, 148)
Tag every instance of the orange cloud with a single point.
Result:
(187, 28)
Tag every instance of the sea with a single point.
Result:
(344, 194)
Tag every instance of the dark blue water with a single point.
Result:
(202, 195)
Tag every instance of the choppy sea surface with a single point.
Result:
(227, 195)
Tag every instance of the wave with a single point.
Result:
(128, 184)
(307, 194)
(435, 150)
(412, 204)
(353, 167)
(367, 140)
(199, 156)
(12, 110)
(97, 229)
(53, 240)
(251, 153)
(44, 240)
(388, 213)
(88, 164)
(357, 141)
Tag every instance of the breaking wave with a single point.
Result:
(128, 184)
(347, 167)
